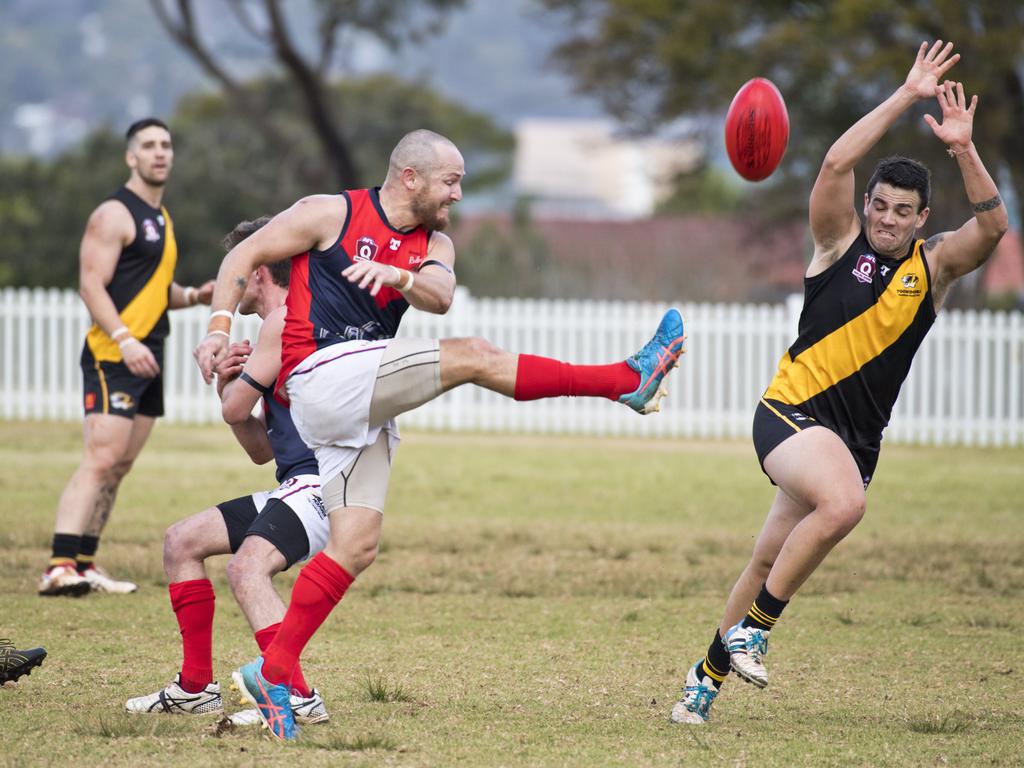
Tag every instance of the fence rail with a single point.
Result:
(966, 386)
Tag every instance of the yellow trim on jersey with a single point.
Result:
(775, 410)
(849, 348)
(103, 386)
(148, 305)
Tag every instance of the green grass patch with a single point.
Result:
(537, 602)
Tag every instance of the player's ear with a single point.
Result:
(410, 178)
(922, 217)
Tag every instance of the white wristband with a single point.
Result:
(223, 313)
(407, 286)
(125, 342)
(191, 296)
(222, 333)
(119, 332)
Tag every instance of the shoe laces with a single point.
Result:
(757, 644)
(698, 698)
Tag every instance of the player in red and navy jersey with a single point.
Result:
(266, 532)
(369, 255)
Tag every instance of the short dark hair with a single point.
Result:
(280, 271)
(146, 122)
(905, 173)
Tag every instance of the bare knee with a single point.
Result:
(840, 516)
(181, 545)
(243, 567)
(482, 356)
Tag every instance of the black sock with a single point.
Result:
(765, 611)
(716, 663)
(65, 548)
(87, 551)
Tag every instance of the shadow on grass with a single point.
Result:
(124, 726)
(337, 742)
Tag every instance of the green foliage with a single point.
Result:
(225, 171)
(655, 61)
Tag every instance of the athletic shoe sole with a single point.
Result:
(25, 668)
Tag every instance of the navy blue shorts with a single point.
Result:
(775, 421)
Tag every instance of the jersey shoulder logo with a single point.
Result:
(366, 249)
(149, 231)
(865, 269)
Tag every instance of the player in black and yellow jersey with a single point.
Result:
(871, 293)
(127, 260)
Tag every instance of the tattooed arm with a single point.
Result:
(953, 254)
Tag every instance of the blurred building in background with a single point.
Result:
(582, 168)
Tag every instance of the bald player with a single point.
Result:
(367, 256)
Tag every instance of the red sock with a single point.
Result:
(538, 377)
(298, 684)
(192, 602)
(321, 584)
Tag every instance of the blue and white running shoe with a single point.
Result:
(698, 696)
(273, 702)
(747, 648)
(659, 356)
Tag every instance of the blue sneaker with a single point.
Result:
(659, 356)
(273, 702)
(698, 696)
(747, 648)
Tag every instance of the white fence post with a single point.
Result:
(966, 386)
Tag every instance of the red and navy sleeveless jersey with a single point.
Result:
(324, 308)
(291, 455)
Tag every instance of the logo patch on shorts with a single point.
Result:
(122, 401)
(90, 400)
(865, 269)
(366, 249)
(318, 505)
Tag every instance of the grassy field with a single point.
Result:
(537, 602)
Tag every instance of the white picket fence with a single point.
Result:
(966, 387)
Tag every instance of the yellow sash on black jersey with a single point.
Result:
(146, 308)
(866, 337)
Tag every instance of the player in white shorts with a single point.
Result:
(267, 531)
(367, 255)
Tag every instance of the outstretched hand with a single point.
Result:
(957, 123)
(929, 68)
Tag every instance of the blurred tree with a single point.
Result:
(390, 21)
(224, 171)
(834, 60)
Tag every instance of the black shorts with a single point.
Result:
(276, 522)
(112, 388)
(775, 421)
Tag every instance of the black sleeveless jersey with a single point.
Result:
(141, 283)
(862, 322)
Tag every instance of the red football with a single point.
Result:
(756, 129)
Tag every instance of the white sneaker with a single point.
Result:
(63, 580)
(101, 581)
(698, 696)
(747, 648)
(306, 711)
(174, 700)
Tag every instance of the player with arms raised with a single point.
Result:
(871, 293)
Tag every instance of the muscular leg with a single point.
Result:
(783, 517)
(250, 572)
(816, 470)
(351, 549)
(186, 545)
(189, 542)
(142, 427)
(93, 486)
